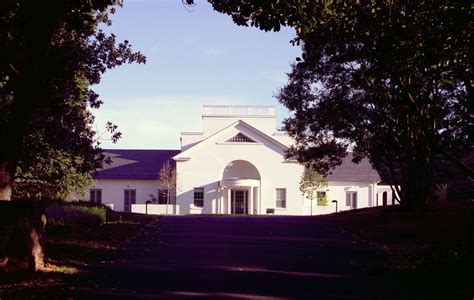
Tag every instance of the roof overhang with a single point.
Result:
(181, 158)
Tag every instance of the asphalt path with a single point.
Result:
(240, 257)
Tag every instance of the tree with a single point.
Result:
(389, 80)
(50, 176)
(48, 64)
(311, 183)
(167, 179)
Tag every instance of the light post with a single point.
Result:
(335, 201)
(146, 206)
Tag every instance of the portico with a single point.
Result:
(239, 189)
(239, 196)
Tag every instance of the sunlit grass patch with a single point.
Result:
(52, 268)
(71, 246)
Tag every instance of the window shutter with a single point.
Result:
(348, 199)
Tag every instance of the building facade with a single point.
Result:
(235, 165)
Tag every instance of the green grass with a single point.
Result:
(430, 249)
(70, 246)
(76, 213)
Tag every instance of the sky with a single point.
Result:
(195, 56)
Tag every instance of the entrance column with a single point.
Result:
(222, 201)
(251, 201)
(257, 199)
(229, 210)
(219, 201)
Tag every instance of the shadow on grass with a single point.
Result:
(431, 248)
(69, 248)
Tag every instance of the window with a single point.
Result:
(240, 138)
(281, 198)
(129, 198)
(162, 196)
(199, 197)
(96, 196)
(351, 199)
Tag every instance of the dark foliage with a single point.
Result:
(49, 62)
(391, 81)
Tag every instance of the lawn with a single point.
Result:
(433, 248)
(70, 247)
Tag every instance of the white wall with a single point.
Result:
(189, 139)
(390, 197)
(113, 190)
(284, 139)
(207, 162)
(155, 209)
(337, 191)
(206, 167)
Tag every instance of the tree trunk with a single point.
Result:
(418, 183)
(22, 232)
(30, 85)
(6, 182)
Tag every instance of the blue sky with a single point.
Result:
(194, 57)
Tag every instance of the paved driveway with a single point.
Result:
(241, 257)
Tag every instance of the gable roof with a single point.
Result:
(135, 164)
(232, 126)
(350, 171)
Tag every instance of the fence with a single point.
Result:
(155, 209)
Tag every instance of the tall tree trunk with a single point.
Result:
(417, 185)
(6, 182)
(29, 89)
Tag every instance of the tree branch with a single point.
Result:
(458, 163)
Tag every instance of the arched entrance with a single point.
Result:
(239, 189)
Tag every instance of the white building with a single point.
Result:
(235, 165)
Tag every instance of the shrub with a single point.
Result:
(441, 192)
(322, 201)
(77, 213)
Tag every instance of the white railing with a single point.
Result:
(155, 209)
(238, 110)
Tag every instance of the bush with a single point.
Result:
(322, 201)
(77, 213)
(441, 192)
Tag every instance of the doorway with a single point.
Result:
(239, 202)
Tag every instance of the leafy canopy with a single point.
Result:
(48, 65)
(312, 182)
(389, 80)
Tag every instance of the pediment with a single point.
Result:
(237, 133)
(239, 138)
